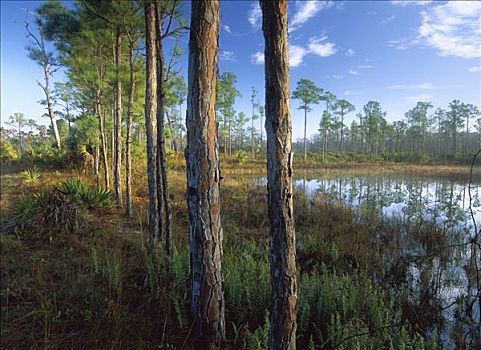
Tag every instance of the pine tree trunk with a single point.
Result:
(102, 139)
(203, 177)
(279, 177)
(118, 121)
(305, 133)
(128, 140)
(96, 165)
(163, 200)
(151, 118)
(51, 112)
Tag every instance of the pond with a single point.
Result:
(447, 202)
(442, 277)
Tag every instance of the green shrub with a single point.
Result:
(83, 194)
(31, 175)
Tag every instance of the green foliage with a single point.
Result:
(83, 194)
(31, 175)
(241, 156)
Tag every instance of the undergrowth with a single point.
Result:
(95, 287)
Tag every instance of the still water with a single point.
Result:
(446, 203)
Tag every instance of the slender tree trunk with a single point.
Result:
(102, 139)
(203, 177)
(51, 112)
(279, 177)
(118, 120)
(128, 139)
(165, 223)
(342, 132)
(151, 118)
(252, 134)
(172, 131)
(96, 164)
(305, 133)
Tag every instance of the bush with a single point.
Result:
(31, 175)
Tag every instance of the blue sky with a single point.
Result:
(394, 52)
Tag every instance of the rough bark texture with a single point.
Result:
(118, 120)
(279, 177)
(203, 177)
(151, 118)
(128, 139)
(163, 199)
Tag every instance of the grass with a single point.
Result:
(102, 286)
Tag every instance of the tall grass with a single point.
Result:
(101, 288)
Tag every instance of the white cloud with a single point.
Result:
(321, 49)
(420, 86)
(353, 72)
(306, 10)
(227, 55)
(296, 55)
(417, 98)
(453, 28)
(404, 3)
(475, 69)
(347, 92)
(402, 44)
(350, 52)
(338, 76)
(255, 15)
(226, 28)
(387, 20)
(317, 46)
(257, 58)
(365, 66)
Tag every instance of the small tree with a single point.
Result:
(341, 108)
(37, 51)
(309, 94)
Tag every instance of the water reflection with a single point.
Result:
(443, 201)
(437, 274)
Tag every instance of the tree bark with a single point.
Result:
(203, 177)
(151, 118)
(282, 239)
(165, 222)
(305, 133)
(51, 112)
(128, 139)
(102, 138)
(118, 120)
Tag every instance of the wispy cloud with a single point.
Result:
(257, 58)
(338, 76)
(226, 28)
(420, 86)
(404, 3)
(453, 29)
(403, 43)
(365, 66)
(387, 20)
(417, 98)
(227, 55)
(296, 55)
(475, 69)
(255, 16)
(319, 47)
(350, 52)
(306, 10)
(353, 72)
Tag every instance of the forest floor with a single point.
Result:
(101, 286)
